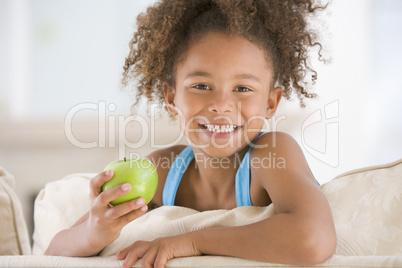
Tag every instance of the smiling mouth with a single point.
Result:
(220, 128)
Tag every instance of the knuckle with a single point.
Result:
(113, 213)
(115, 191)
(98, 221)
(97, 181)
(132, 205)
(164, 246)
(138, 243)
(128, 219)
(102, 199)
(92, 182)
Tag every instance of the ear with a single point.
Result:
(169, 92)
(274, 98)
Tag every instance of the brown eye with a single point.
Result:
(242, 89)
(202, 87)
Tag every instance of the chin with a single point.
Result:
(217, 151)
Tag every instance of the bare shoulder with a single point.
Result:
(279, 166)
(162, 160)
(277, 150)
(275, 140)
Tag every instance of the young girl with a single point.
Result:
(221, 67)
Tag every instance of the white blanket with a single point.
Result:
(169, 221)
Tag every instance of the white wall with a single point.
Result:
(60, 53)
(56, 55)
(361, 86)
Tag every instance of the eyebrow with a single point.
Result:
(248, 76)
(198, 73)
(239, 76)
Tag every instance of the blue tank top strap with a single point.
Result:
(182, 161)
(243, 182)
(175, 174)
(243, 178)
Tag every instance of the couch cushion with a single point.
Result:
(366, 206)
(14, 238)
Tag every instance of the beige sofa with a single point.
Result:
(366, 205)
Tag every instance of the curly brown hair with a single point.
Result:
(167, 29)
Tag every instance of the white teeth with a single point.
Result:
(220, 128)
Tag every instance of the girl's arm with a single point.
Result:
(302, 232)
(288, 238)
(101, 225)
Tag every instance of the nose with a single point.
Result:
(220, 103)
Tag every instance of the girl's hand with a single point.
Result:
(156, 253)
(105, 221)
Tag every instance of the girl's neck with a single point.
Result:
(217, 172)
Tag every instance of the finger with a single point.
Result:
(147, 261)
(163, 255)
(130, 260)
(122, 254)
(133, 253)
(109, 195)
(97, 182)
(125, 208)
(129, 217)
(161, 259)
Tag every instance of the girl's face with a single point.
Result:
(222, 93)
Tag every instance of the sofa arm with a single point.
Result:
(14, 238)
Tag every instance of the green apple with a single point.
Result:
(141, 174)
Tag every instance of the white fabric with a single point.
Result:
(58, 206)
(365, 205)
(194, 262)
(172, 220)
(13, 230)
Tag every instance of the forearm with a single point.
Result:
(73, 242)
(282, 238)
